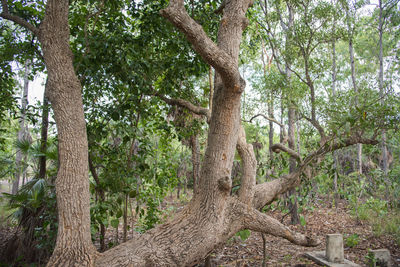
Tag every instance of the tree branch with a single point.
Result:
(270, 119)
(267, 192)
(277, 147)
(260, 222)
(203, 45)
(186, 104)
(249, 165)
(7, 15)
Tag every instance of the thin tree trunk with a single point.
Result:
(354, 82)
(334, 154)
(125, 230)
(43, 137)
(100, 192)
(23, 132)
(270, 104)
(194, 145)
(381, 87)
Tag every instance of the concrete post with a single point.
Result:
(334, 248)
(380, 257)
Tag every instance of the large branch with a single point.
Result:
(203, 45)
(269, 191)
(186, 104)
(260, 222)
(7, 15)
(278, 147)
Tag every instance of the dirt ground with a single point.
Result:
(279, 252)
(320, 221)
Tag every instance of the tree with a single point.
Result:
(213, 215)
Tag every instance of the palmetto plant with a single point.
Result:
(34, 209)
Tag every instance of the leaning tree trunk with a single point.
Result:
(213, 215)
(73, 246)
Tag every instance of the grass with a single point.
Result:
(384, 221)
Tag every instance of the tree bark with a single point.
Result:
(43, 137)
(354, 82)
(194, 144)
(381, 87)
(213, 215)
(23, 131)
(73, 246)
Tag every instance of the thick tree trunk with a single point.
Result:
(73, 246)
(213, 215)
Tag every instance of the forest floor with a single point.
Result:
(320, 221)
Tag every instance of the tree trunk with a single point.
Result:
(334, 154)
(23, 131)
(43, 137)
(213, 215)
(194, 145)
(73, 246)
(354, 82)
(381, 87)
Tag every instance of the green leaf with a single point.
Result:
(244, 234)
(119, 214)
(115, 223)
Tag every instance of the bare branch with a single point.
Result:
(272, 120)
(7, 15)
(268, 192)
(267, 118)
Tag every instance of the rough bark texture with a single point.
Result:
(213, 215)
(73, 246)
